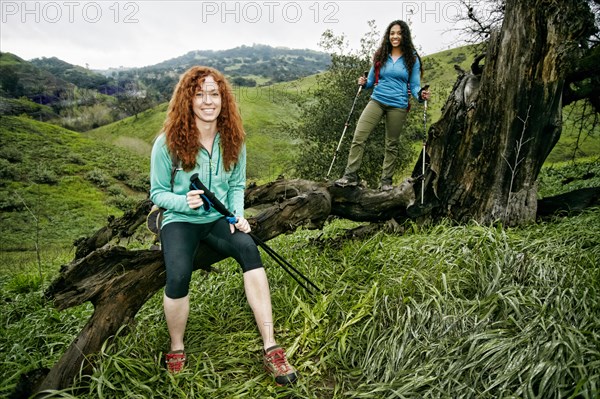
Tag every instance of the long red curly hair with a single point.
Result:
(180, 126)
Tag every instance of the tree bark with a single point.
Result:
(485, 155)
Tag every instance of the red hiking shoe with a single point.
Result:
(276, 363)
(175, 361)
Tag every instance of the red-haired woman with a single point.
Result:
(399, 68)
(203, 133)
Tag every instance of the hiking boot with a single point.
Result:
(276, 363)
(175, 361)
(346, 181)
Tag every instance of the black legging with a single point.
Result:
(180, 243)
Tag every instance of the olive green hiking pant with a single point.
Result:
(395, 120)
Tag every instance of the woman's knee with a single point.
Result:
(246, 246)
(177, 286)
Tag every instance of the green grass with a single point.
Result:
(446, 311)
(61, 185)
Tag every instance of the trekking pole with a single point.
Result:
(345, 127)
(424, 146)
(285, 264)
(210, 200)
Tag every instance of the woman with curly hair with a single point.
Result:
(203, 134)
(396, 73)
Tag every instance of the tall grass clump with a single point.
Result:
(447, 311)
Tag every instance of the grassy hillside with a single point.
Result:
(22, 78)
(269, 111)
(439, 311)
(61, 185)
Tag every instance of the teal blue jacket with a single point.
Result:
(228, 186)
(392, 88)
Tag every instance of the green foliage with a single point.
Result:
(8, 171)
(24, 283)
(45, 176)
(97, 177)
(564, 177)
(20, 106)
(79, 76)
(580, 135)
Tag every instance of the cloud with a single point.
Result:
(107, 34)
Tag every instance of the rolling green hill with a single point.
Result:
(75, 74)
(61, 185)
(21, 78)
(270, 111)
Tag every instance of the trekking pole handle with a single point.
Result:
(210, 199)
(365, 75)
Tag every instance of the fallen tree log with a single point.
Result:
(118, 281)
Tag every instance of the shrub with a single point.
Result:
(139, 183)
(121, 175)
(123, 202)
(97, 177)
(10, 202)
(8, 171)
(76, 159)
(11, 154)
(46, 176)
(115, 190)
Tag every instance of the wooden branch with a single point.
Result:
(353, 203)
(121, 227)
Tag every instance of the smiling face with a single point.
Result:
(207, 101)
(395, 36)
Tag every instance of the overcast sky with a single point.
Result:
(103, 34)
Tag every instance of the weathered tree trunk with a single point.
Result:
(485, 155)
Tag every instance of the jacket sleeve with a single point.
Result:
(160, 180)
(237, 185)
(415, 80)
(370, 78)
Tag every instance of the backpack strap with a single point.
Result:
(155, 216)
(175, 164)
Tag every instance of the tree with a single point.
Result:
(135, 99)
(484, 156)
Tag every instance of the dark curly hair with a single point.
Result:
(180, 126)
(406, 45)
